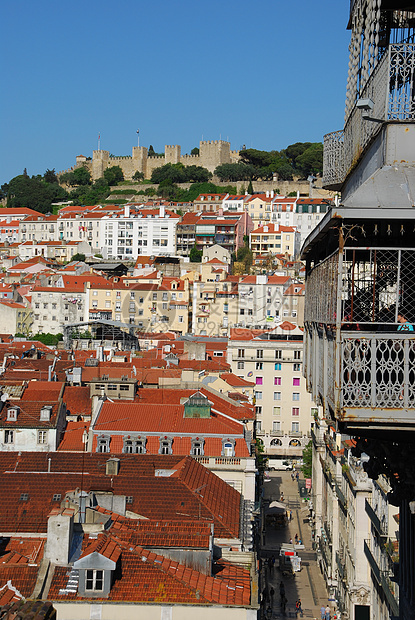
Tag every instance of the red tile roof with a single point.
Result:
(192, 491)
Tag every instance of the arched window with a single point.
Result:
(276, 442)
(295, 442)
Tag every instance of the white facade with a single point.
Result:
(123, 237)
(53, 309)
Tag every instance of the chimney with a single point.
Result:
(272, 193)
(127, 211)
(162, 211)
(267, 194)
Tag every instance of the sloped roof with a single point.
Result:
(40, 476)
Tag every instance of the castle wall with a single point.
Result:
(211, 154)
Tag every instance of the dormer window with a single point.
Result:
(228, 447)
(166, 445)
(135, 445)
(103, 443)
(12, 414)
(45, 413)
(197, 447)
(94, 580)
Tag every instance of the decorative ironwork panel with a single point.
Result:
(331, 368)
(378, 371)
(321, 291)
(401, 79)
(333, 158)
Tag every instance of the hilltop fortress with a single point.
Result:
(211, 154)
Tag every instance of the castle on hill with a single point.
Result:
(211, 154)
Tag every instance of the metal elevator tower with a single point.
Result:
(360, 261)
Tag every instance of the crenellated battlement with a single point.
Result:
(212, 153)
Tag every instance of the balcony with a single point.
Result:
(390, 589)
(362, 368)
(391, 88)
(371, 559)
(341, 567)
(379, 525)
(340, 495)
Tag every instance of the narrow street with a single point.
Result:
(308, 584)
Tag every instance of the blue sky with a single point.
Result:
(265, 74)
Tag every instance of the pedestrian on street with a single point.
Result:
(284, 602)
(292, 476)
(298, 608)
(271, 593)
(296, 538)
(328, 613)
(269, 562)
(291, 541)
(282, 589)
(297, 475)
(264, 595)
(323, 612)
(273, 561)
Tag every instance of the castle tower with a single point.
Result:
(100, 161)
(214, 153)
(172, 154)
(140, 154)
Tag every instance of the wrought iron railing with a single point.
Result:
(391, 87)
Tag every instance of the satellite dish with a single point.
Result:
(4, 397)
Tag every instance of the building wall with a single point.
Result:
(284, 409)
(141, 611)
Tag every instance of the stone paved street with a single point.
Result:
(308, 584)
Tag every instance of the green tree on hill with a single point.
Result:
(113, 175)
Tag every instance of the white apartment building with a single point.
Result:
(264, 300)
(146, 231)
(284, 408)
(39, 227)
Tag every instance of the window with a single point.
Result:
(134, 446)
(258, 380)
(228, 447)
(277, 395)
(166, 445)
(241, 352)
(94, 580)
(260, 353)
(197, 447)
(277, 380)
(258, 410)
(296, 367)
(295, 427)
(259, 366)
(297, 355)
(296, 395)
(296, 381)
(277, 366)
(8, 436)
(278, 354)
(241, 365)
(258, 395)
(296, 411)
(57, 497)
(154, 296)
(276, 426)
(103, 444)
(42, 437)
(276, 411)
(258, 425)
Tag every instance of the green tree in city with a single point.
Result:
(195, 151)
(138, 176)
(195, 255)
(307, 460)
